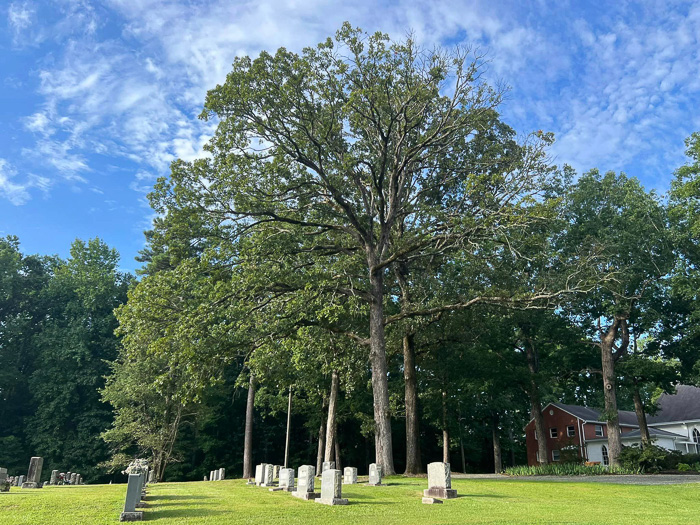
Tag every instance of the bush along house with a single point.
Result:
(575, 432)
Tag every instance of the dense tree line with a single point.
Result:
(369, 265)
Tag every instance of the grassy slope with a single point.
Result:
(398, 503)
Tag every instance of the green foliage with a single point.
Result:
(683, 467)
(570, 469)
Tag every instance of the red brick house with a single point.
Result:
(580, 430)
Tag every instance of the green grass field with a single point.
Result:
(399, 502)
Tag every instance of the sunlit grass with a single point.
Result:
(399, 502)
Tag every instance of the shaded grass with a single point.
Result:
(480, 501)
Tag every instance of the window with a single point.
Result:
(571, 431)
(606, 458)
(555, 455)
(537, 456)
(553, 432)
(696, 435)
(599, 430)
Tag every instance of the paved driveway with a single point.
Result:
(648, 479)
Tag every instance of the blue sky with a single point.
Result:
(97, 98)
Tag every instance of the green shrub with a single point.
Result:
(568, 469)
(683, 467)
(651, 458)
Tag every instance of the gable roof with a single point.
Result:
(652, 432)
(590, 414)
(684, 405)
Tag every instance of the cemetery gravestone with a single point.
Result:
(151, 476)
(34, 474)
(133, 496)
(4, 482)
(222, 474)
(259, 474)
(276, 473)
(327, 465)
(439, 482)
(305, 484)
(375, 474)
(331, 488)
(20, 481)
(206, 478)
(268, 474)
(287, 479)
(73, 477)
(54, 477)
(350, 475)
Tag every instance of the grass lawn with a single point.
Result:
(479, 501)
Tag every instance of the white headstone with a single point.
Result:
(375, 474)
(331, 488)
(350, 475)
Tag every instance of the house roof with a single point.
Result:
(590, 414)
(684, 405)
(652, 432)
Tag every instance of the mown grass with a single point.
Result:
(479, 501)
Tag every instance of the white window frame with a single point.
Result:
(553, 432)
(558, 455)
(570, 431)
(599, 428)
(696, 435)
(606, 455)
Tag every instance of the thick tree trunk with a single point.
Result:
(321, 437)
(413, 459)
(445, 431)
(380, 384)
(289, 428)
(331, 423)
(535, 404)
(641, 416)
(248, 471)
(495, 436)
(607, 359)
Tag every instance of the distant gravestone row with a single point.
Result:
(33, 478)
(216, 475)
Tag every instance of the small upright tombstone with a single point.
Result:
(73, 478)
(327, 465)
(350, 475)
(34, 474)
(268, 476)
(206, 478)
(305, 485)
(259, 469)
(151, 476)
(133, 497)
(375, 474)
(68, 477)
(4, 482)
(222, 474)
(276, 472)
(286, 480)
(54, 477)
(439, 482)
(331, 488)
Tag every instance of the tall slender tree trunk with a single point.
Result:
(289, 428)
(338, 464)
(641, 416)
(445, 431)
(461, 440)
(413, 459)
(496, 438)
(533, 393)
(511, 439)
(380, 384)
(607, 359)
(321, 437)
(248, 471)
(331, 423)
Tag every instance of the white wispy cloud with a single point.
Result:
(16, 191)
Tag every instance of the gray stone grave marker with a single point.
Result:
(20, 480)
(375, 474)
(305, 484)
(350, 475)
(4, 482)
(331, 488)
(73, 477)
(54, 477)
(133, 497)
(34, 474)
(268, 476)
(222, 474)
(439, 482)
(259, 469)
(327, 465)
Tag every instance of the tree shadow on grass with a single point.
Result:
(174, 497)
(478, 496)
(182, 513)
